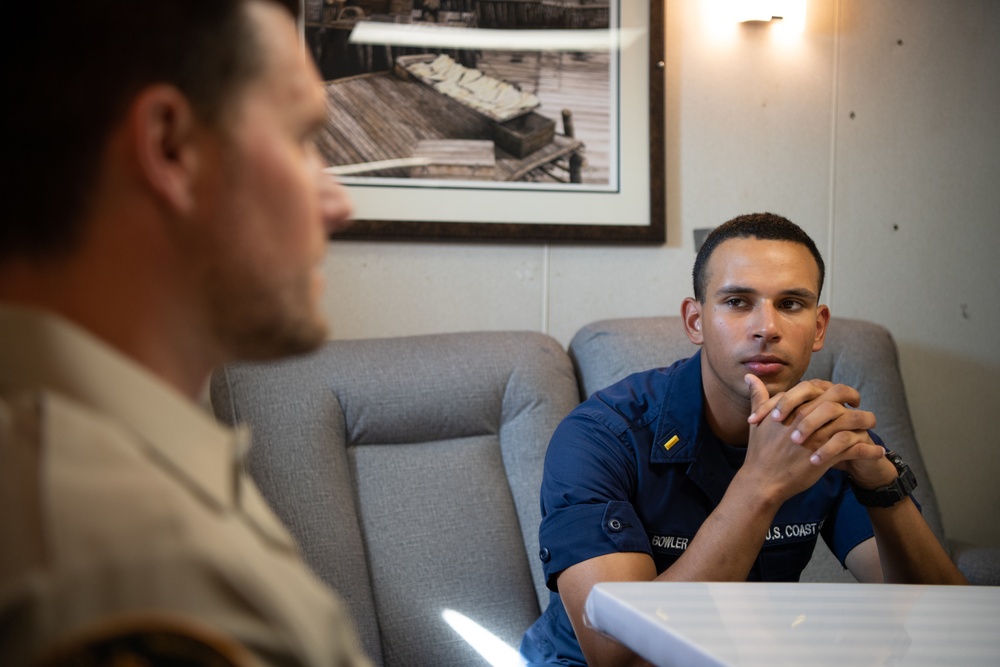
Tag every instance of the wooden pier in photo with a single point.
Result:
(377, 117)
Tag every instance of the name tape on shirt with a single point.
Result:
(791, 532)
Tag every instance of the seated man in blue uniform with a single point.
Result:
(702, 471)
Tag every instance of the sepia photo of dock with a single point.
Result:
(473, 113)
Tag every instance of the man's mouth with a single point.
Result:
(763, 365)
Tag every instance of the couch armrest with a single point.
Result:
(980, 565)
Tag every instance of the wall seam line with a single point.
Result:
(546, 315)
(834, 116)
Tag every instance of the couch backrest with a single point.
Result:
(856, 353)
(409, 471)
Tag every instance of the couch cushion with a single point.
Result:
(409, 470)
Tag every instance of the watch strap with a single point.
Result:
(892, 493)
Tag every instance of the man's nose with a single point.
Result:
(766, 322)
(335, 203)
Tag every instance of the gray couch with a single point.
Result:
(409, 468)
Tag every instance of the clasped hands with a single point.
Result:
(797, 435)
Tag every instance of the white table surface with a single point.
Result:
(810, 625)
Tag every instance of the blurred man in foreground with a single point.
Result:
(164, 212)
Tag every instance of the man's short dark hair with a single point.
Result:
(763, 226)
(70, 68)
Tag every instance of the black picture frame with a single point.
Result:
(641, 160)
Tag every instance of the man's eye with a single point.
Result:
(734, 302)
(791, 305)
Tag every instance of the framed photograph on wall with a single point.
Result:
(507, 120)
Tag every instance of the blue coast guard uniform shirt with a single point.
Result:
(636, 469)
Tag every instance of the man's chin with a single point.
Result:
(288, 339)
(775, 384)
(303, 339)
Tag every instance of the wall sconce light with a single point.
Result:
(785, 18)
(792, 13)
(757, 11)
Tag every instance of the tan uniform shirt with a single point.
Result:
(118, 494)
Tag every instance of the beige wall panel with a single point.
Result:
(917, 228)
(388, 289)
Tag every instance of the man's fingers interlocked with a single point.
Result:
(823, 418)
(847, 446)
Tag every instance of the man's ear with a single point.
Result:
(164, 131)
(691, 315)
(822, 320)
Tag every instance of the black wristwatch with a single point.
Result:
(890, 494)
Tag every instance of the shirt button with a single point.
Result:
(544, 555)
(615, 525)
